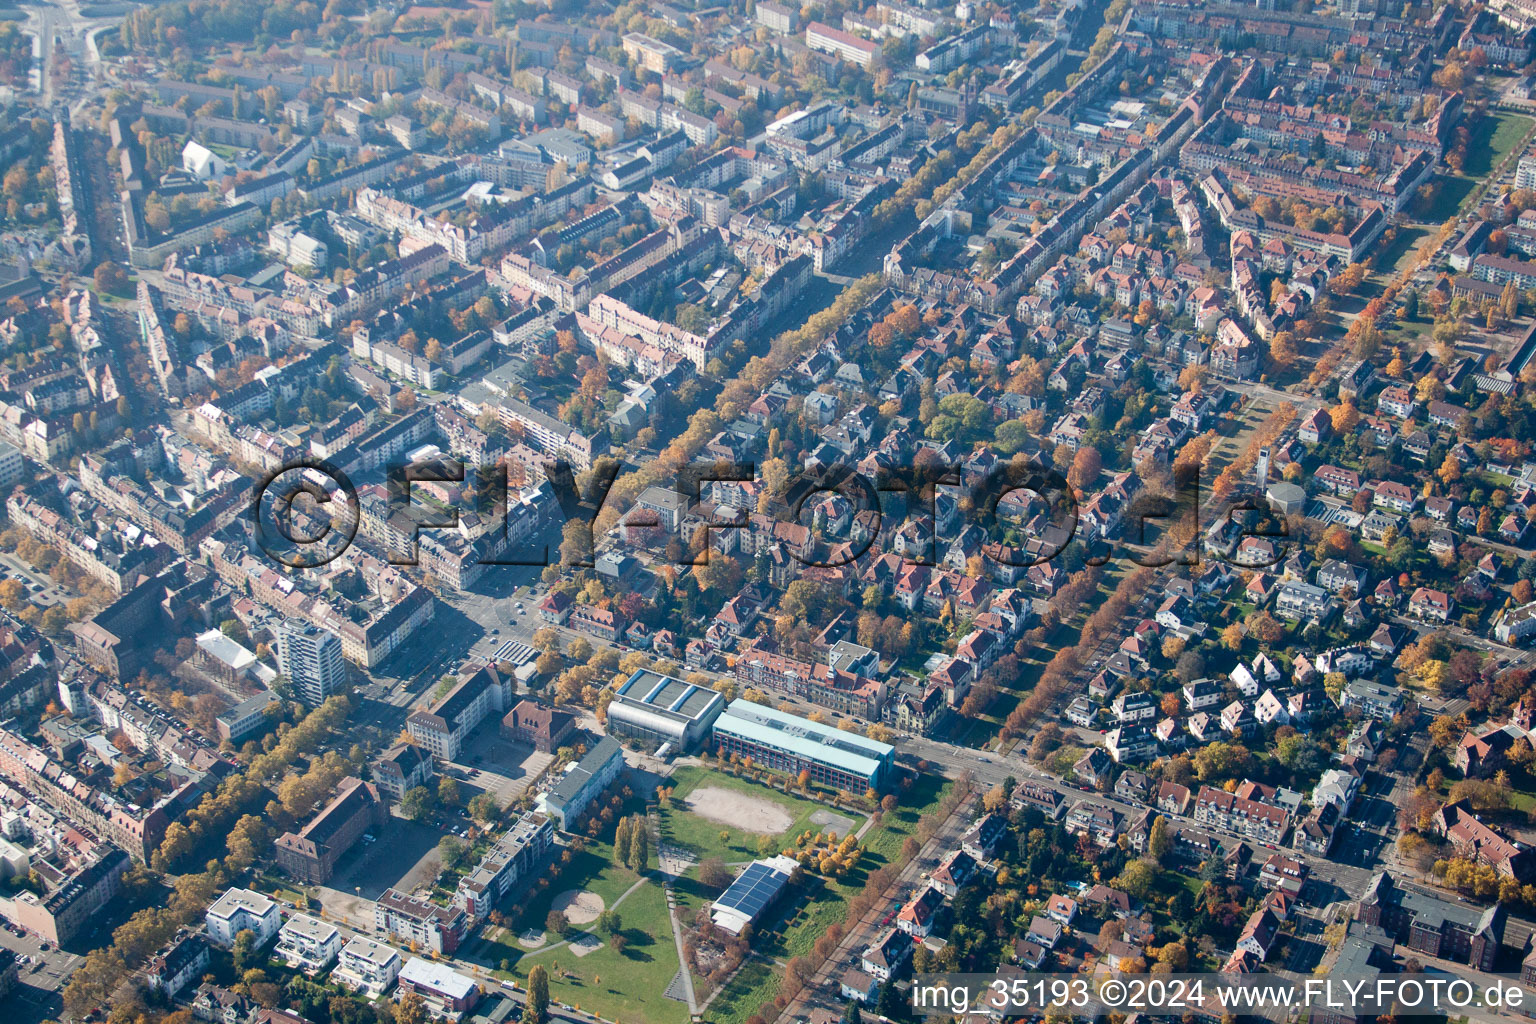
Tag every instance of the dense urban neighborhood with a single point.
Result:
(655, 512)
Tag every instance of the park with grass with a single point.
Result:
(614, 953)
(627, 983)
(629, 970)
(711, 813)
(818, 908)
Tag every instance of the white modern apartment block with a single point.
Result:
(367, 967)
(311, 659)
(10, 464)
(241, 910)
(1525, 171)
(307, 944)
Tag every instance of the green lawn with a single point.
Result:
(1393, 258)
(623, 986)
(681, 828)
(802, 920)
(592, 869)
(1494, 138)
(754, 985)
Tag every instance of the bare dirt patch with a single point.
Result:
(533, 938)
(579, 906)
(585, 943)
(739, 810)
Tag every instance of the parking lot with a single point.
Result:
(36, 996)
(493, 764)
(41, 590)
(403, 857)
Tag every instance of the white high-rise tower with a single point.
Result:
(311, 659)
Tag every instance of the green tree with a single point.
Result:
(621, 837)
(538, 995)
(1215, 762)
(417, 803)
(1159, 842)
(244, 950)
(1333, 684)
(1139, 878)
(639, 847)
(1301, 755)
(453, 851)
(483, 807)
(448, 791)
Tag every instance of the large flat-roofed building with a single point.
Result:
(311, 855)
(753, 892)
(246, 718)
(585, 781)
(791, 744)
(659, 709)
(447, 992)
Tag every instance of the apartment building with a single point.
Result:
(584, 782)
(1297, 600)
(1246, 817)
(651, 54)
(307, 944)
(826, 39)
(611, 312)
(74, 902)
(367, 967)
(408, 918)
(241, 910)
(1425, 922)
(312, 660)
(441, 729)
(507, 866)
(401, 767)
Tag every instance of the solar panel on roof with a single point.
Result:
(753, 890)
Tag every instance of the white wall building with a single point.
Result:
(241, 910)
(367, 967)
(307, 944)
(311, 658)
